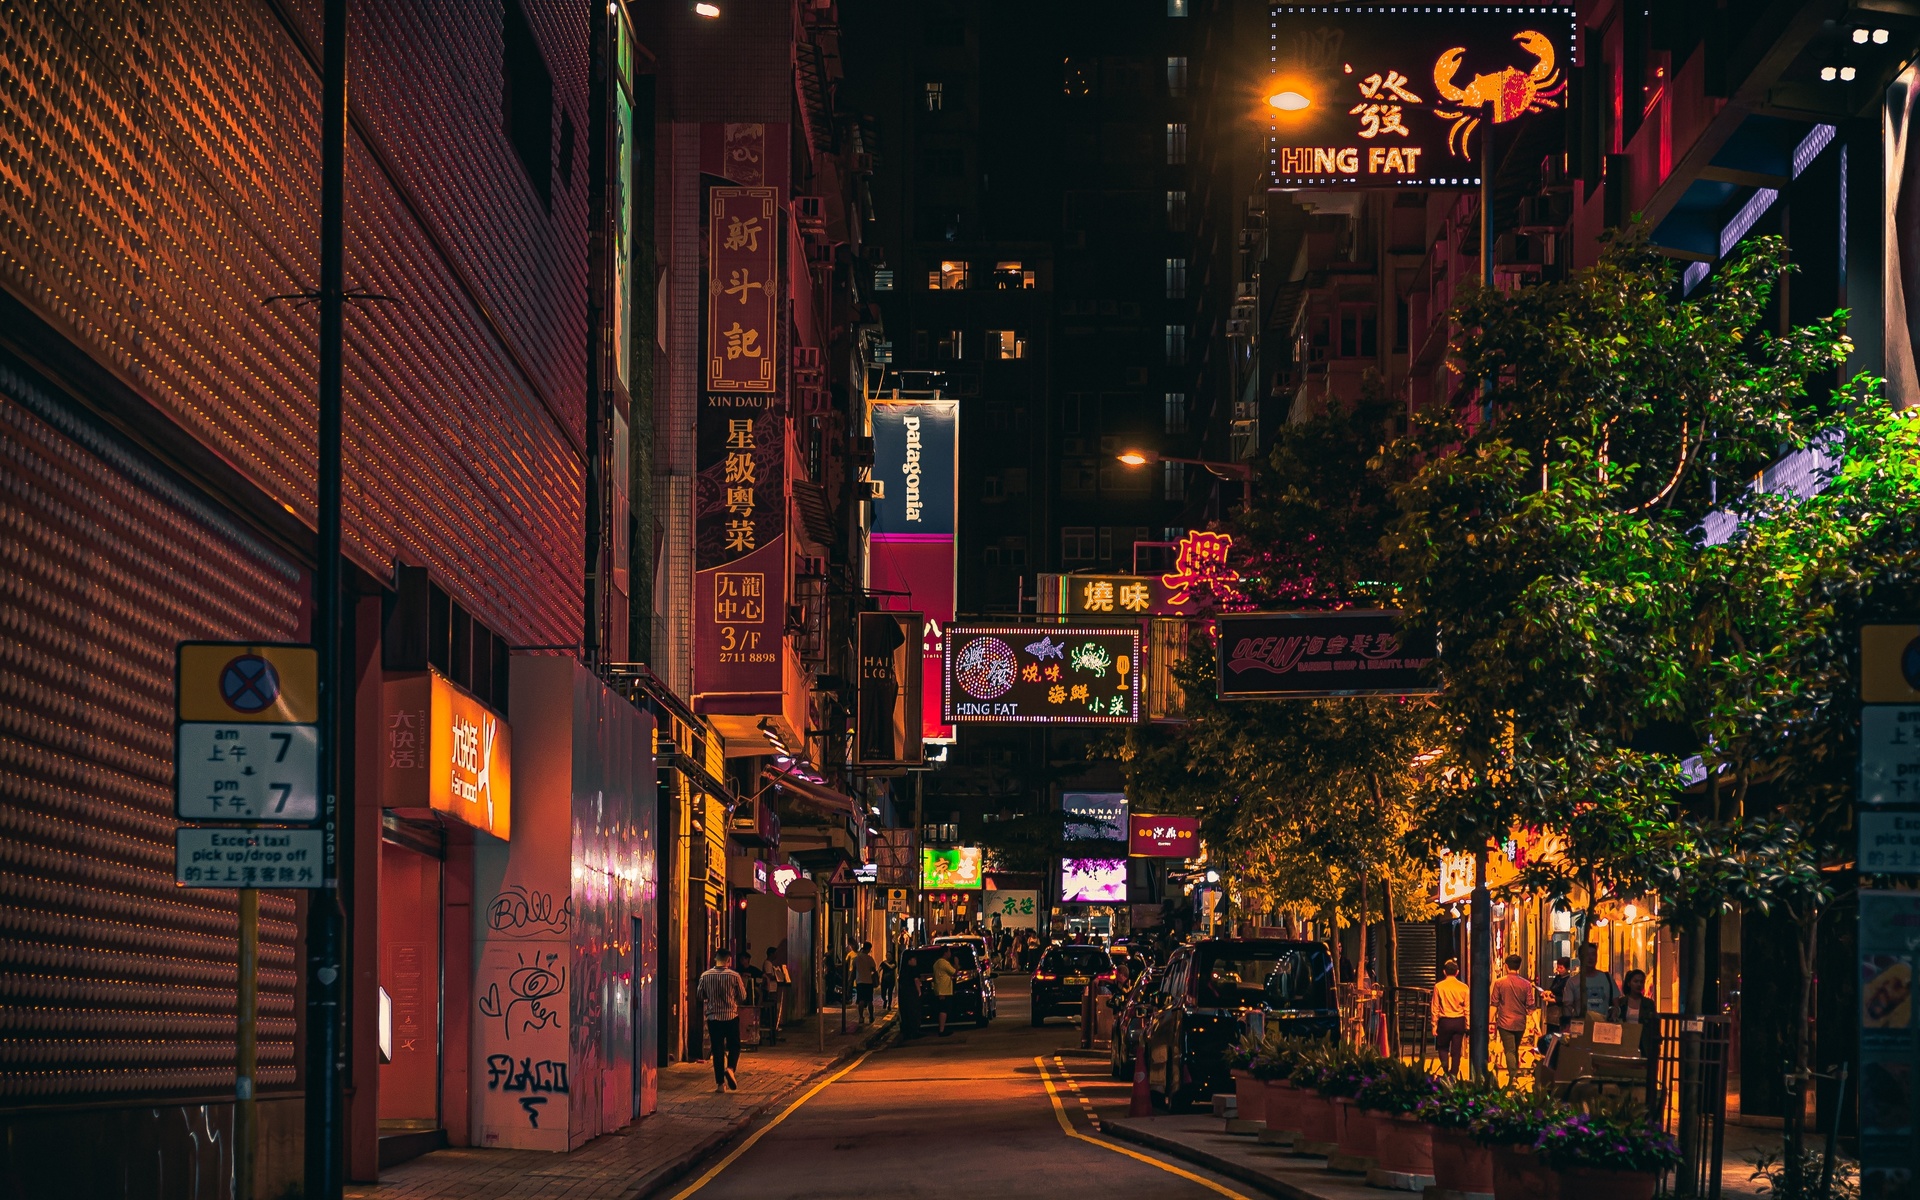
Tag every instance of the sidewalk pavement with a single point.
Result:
(692, 1121)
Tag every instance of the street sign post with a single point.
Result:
(246, 732)
(247, 858)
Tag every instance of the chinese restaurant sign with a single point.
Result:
(1111, 595)
(942, 870)
(743, 294)
(889, 692)
(1355, 652)
(740, 547)
(1380, 96)
(910, 556)
(1014, 909)
(447, 751)
(1038, 675)
(1155, 836)
(1199, 568)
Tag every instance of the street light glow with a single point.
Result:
(1134, 458)
(708, 11)
(1288, 101)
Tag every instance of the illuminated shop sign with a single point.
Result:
(446, 751)
(957, 868)
(1041, 675)
(1093, 880)
(1399, 96)
(1095, 816)
(1353, 652)
(1150, 835)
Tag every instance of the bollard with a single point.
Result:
(1141, 1105)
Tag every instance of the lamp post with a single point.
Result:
(1225, 470)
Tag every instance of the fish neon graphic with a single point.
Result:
(1046, 648)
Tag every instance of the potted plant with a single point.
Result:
(1318, 1067)
(1275, 1069)
(1403, 1143)
(1510, 1128)
(1611, 1151)
(1461, 1162)
(1349, 1071)
(1250, 1092)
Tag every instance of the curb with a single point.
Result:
(668, 1174)
(1239, 1172)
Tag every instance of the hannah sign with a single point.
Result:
(1398, 96)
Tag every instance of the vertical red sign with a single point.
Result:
(743, 290)
(916, 449)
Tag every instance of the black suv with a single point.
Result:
(1206, 993)
(1061, 979)
(973, 997)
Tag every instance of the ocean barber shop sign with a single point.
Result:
(1351, 652)
(1402, 96)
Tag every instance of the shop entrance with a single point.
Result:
(411, 992)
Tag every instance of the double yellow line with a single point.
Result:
(1066, 1127)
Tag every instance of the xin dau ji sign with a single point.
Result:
(1400, 96)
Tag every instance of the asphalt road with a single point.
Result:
(967, 1116)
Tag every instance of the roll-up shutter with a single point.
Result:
(115, 984)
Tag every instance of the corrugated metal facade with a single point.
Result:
(158, 187)
(113, 982)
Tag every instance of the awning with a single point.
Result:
(816, 796)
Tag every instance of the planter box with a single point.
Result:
(1251, 1094)
(1403, 1144)
(1518, 1174)
(1282, 1105)
(1317, 1133)
(1355, 1134)
(1592, 1183)
(1461, 1164)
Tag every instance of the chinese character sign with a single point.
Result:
(1013, 909)
(1154, 836)
(1400, 97)
(1115, 596)
(942, 870)
(1354, 652)
(740, 545)
(1200, 567)
(447, 751)
(1042, 675)
(743, 290)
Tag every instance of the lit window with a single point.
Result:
(951, 277)
(952, 344)
(1077, 543)
(1005, 343)
(1173, 533)
(1176, 412)
(1177, 211)
(1176, 74)
(1176, 8)
(1175, 477)
(883, 279)
(1176, 345)
(936, 96)
(1176, 143)
(1176, 279)
(1011, 276)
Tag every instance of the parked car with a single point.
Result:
(1132, 1008)
(1206, 993)
(973, 997)
(981, 949)
(1060, 981)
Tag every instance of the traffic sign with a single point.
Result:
(1890, 843)
(1890, 664)
(248, 858)
(246, 772)
(802, 895)
(1889, 754)
(267, 682)
(897, 900)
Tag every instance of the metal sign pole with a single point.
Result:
(325, 1159)
(1480, 906)
(246, 1110)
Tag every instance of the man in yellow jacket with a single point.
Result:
(1450, 1000)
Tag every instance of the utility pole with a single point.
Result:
(325, 1114)
(1480, 905)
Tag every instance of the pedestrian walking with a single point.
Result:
(1514, 998)
(943, 973)
(779, 983)
(866, 973)
(1450, 1000)
(889, 976)
(1590, 991)
(722, 992)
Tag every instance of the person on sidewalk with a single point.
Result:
(722, 992)
(1450, 1000)
(943, 974)
(1556, 1017)
(779, 984)
(866, 973)
(889, 977)
(1590, 991)
(1514, 998)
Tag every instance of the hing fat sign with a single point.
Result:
(1359, 95)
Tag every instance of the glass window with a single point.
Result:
(1176, 279)
(1176, 143)
(1176, 8)
(1176, 412)
(1176, 480)
(1177, 211)
(936, 96)
(1005, 343)
(951, 277)
(1077, 543)
(1176, 339)
(952, 344)
(1012, 276)
(1176, 74)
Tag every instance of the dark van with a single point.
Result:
(1206, 993)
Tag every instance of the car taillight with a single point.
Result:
(1045, 978)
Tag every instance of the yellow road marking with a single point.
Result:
(1066, 1127)
(761, 1132)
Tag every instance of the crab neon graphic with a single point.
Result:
(1068, 676)
(1511, 92)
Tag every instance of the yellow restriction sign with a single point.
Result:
(1890, 664)
(267, 682)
